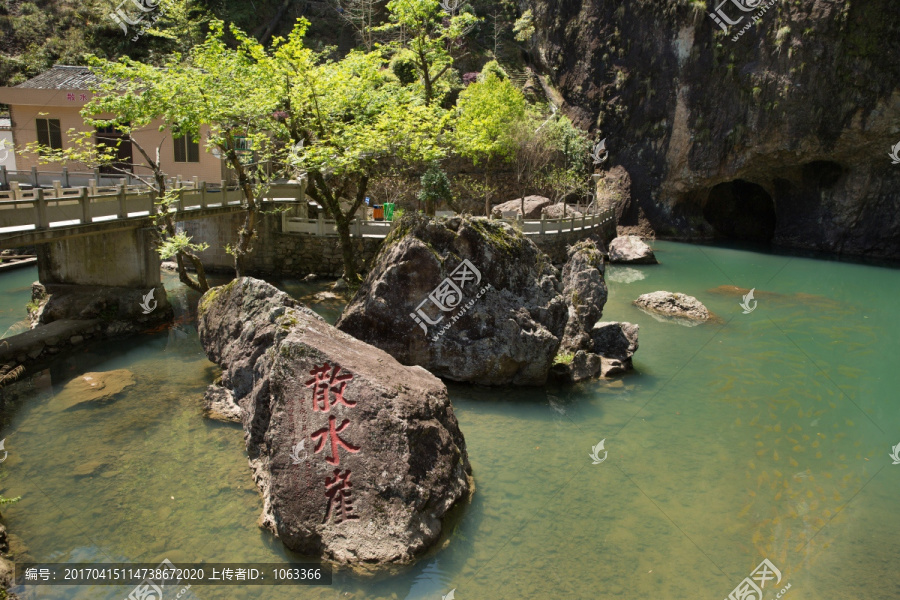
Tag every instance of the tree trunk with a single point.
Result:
(487, 192)
(350, 274)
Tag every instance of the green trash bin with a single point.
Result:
(389, 211)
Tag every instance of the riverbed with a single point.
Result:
(763, 435)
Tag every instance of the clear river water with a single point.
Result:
(764, 435)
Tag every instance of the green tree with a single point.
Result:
(435, 188)
(346, 122)
(137, 97)
(232, 92)
(486, 114)
(431, 36)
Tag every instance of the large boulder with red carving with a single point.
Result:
(358, 458)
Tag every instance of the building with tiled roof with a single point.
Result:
(44, 109)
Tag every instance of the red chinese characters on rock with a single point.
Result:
(329, 385)
(323, 383)
(337, 490)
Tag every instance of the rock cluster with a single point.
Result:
(358, 458)
(591, 347)
(468, 299)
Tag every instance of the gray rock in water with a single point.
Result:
(468, 299)
(614, 340)
(676, 306)
(630, 249)
(585, 293)
(358, 457)
(533, 207)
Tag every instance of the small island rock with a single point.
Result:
(675, 305)
(630, 249)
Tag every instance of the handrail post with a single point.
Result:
(40, 205)
(320, 224)
(34, 177)
(180, 199)
(202, 194)
(97, 175)
(65, 177)
(122, 211)
(4, 176)
(543, 222)
(85, 201)
(224, 193)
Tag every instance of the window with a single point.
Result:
(49, 133)
(186, 149)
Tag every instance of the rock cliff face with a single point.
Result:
(777, 127)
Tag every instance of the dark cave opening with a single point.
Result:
(741, 210)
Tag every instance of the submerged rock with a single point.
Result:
(468, 299)
(674, 305)
(533, 207)
(358, 457)
(92, 387)
(630, 249)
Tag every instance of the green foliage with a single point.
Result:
(524, 27)
(429, 37)
(435, 188)
(486, 112)
(5, 501)
(404, 66)
(563, 358)
(492, 67)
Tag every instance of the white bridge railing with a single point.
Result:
(360, 228)
(40, 208)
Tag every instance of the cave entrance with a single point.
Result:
(741, 210)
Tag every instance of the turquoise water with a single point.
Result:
(16, 288)
(761, 435)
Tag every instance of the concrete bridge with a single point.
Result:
(104, 236)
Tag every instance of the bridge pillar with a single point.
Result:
(117, 259)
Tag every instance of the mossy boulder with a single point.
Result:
(469, 299)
